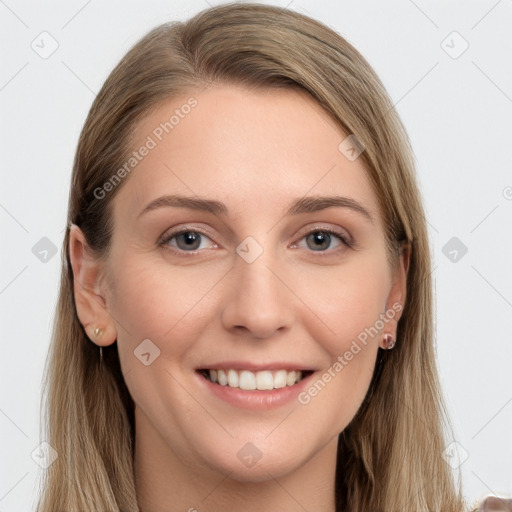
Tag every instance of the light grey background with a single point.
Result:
(456, 108)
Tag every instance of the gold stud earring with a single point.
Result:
(388, 342)
(98, 332)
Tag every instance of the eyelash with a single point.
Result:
(344, 239)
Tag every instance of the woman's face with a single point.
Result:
(266, 278)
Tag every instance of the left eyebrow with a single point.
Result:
(316, 203)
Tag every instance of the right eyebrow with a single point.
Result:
(193, 203)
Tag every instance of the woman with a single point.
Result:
(245, 312)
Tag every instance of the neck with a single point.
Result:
(166, 483)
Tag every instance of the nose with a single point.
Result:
(260, 302)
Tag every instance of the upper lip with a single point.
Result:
(254, 367)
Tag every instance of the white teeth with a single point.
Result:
(221, 375)
(232, 379)
(247, 380)
(290, 378)
(264, 380)
(280, 379)
(250, 381)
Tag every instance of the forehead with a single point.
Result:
(248, 148)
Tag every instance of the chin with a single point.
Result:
(267, 468)
(252, 458)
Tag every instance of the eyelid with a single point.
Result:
(173, 232)
(343, 234)
(345, 238)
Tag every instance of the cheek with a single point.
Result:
(160, 311)
(349, 301)
(154, 299)
(349, 334)
(169, 306)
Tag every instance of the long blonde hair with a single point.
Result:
(390, 455)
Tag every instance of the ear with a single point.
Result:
(396, 299)
(90, 303)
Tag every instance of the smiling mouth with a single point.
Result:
(252, 381)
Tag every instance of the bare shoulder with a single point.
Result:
(495, 504)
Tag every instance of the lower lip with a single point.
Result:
(256, 400)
